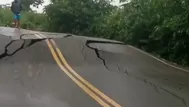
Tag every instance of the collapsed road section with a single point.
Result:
(30, 75)
(116, 63)
(13, 46)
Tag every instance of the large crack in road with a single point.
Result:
(157, 88)
(97, 51)
(22, 46)
(12, 47)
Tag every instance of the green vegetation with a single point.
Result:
(34, 21)
(5, 17)
(30, 20)
(160, 27)
(27, 3)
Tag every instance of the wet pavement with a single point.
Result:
(31, 77)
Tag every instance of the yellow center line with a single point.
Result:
(82, 79)
(87, 90)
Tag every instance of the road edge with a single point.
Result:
(171, 65)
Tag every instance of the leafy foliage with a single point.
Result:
(34, 21)
(76, 16)
(163, 24)
(27, 3)
(29, 20)
(5, 19)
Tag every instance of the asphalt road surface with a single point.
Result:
(39, 69)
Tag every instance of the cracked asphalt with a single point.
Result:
(30, 75)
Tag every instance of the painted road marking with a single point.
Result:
(43, 36)
(86, 89)
(82, 79)
(38, 36)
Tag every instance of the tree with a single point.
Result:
(27, 3)
(76, 16)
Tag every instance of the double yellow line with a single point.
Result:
(92, 91)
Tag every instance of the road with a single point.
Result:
(39, 69)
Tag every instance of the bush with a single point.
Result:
(29, 20)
